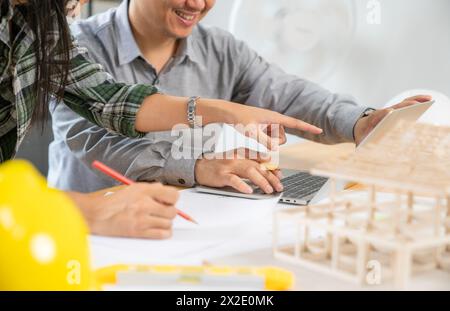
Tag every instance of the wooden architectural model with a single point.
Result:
(400, 228)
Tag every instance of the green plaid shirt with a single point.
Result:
(90, 91)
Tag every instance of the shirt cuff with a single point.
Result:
(349, 116)
(180, 172)
(127, 121)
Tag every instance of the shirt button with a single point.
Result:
(181, 181)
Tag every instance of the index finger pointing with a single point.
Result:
(299, 125)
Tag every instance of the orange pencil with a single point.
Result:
(126, 181)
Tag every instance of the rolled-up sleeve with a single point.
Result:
(92, 93)
(145, 160)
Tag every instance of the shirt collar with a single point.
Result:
(25, 34)
(188, 49)
(6, 17)
(128, 50)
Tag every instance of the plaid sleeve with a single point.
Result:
(93, 94)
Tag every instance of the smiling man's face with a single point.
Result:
(177, 17)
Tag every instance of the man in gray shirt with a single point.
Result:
(160, 42)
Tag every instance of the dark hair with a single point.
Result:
(52, 58)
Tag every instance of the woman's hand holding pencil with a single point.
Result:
(143, 211)
(126, 181)
(140, 210)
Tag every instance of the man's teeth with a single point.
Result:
(185, 16)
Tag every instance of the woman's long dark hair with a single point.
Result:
(45, 17)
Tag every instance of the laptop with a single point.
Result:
(302, 188)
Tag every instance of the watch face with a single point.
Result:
(368, 112)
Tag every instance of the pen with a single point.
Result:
(126, 181)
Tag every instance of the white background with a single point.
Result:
(410, 49)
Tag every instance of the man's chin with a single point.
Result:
(182, 34)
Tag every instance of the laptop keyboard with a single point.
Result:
(301, 185)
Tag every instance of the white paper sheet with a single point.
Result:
(110, 251)
(221, 212)
(222, 220)
(230, 139)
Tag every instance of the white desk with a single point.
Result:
(252, 247)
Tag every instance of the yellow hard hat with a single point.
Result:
(43, 237)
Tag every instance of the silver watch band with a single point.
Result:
(191, 111)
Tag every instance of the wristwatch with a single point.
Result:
(367, 112)
(191, 112)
